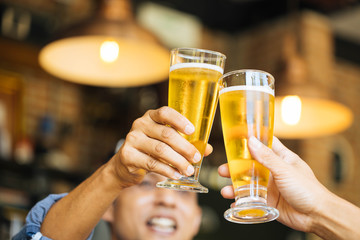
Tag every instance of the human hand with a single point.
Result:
(293, 188)
(153, 143)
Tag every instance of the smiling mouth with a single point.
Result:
(162, 224)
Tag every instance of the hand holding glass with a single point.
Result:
(247, 109)
(193, 92)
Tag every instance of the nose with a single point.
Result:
(166, 197)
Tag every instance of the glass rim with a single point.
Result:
(248, 70)
(200, 50)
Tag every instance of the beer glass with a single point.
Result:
(247, 109)
(193, 92)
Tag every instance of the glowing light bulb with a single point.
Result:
(109, 51)
(291, 110)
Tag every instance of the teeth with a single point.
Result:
(163, 224)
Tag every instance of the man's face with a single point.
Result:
(145, 212)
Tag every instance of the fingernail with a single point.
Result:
(177, 175)
(189, 129)
(254, 142)
(190, 170)
(197, 157)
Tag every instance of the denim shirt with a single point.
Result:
(34, 219)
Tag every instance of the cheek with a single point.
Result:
(133, 205)
(130, 216)
(189, 209)
(143, 200)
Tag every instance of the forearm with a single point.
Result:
(74, 216)
(337, 220)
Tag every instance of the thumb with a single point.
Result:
(265, 156)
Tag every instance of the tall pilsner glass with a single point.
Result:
(193, 92)
(247, 109)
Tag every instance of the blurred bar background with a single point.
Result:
(58, 126)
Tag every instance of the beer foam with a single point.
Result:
(265, 89)
(197, 65)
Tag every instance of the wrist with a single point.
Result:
(335, 219)
(110, 176)
(322, 215)
(122, 176)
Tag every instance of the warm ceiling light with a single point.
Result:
(133, 57)
(319, 117)
(291, 110)
(303, 110)
(109, 51)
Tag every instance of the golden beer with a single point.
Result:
(193, 91)
(246, 111)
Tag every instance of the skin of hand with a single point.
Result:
(293, 188)
(153, 143)
(303, 202)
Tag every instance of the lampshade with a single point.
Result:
(302, 109)
(110, 50)
(318, 117)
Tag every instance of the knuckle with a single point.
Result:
(131, 137)
(135, 124)
(167, 133)
(151, 164)
(160, 148)
(126, 151)
(296, 157)
(283, 153)
(266, 156)
(148, 112)
(139, 123)
(163, 111)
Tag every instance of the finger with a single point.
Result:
(272, 193)
(160, 151)
(169, 116)
(171, 137)
(291, 157)
(208, 150)
(223, 170)
(138, 160)
(265, 155)
(227, 192)
(283, 151)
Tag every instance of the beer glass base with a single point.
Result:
(251, 213)
(183, 185)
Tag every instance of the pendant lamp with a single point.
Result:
(302, 109)
(110, 50)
